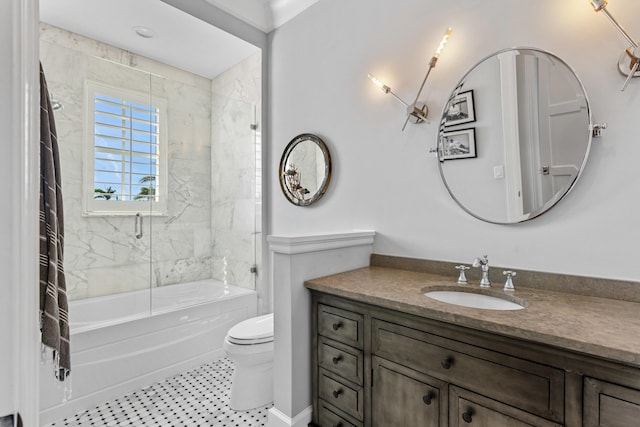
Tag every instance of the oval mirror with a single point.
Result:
(514, 135)
(305, 169)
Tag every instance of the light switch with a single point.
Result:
(498, 172)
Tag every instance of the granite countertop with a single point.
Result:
(601, 327)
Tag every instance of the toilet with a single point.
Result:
(249, 344)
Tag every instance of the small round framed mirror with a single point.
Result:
(514, 136)
(305, 169)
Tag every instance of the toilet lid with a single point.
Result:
(252, 331)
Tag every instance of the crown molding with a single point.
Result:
(265, 15)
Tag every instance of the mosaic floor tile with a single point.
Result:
(199, 398)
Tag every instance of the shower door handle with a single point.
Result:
(138, 226)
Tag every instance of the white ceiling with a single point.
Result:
(181, 40)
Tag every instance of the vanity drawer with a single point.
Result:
(341, 394)
(341, 325)
(467, 408)
(340, 359)
(535, 388)
(328, 416)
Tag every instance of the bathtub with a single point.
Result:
(122, 342)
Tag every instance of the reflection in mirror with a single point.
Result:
(519, 138)
(305, 170)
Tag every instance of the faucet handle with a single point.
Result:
(508, 284)
(462, 278)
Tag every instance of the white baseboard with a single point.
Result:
(278, 419)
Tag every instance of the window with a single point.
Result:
(125, 155)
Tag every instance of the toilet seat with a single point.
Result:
(257, 330)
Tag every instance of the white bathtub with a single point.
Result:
(119, 344)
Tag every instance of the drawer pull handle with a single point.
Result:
(337, 359)
(337, 326)
(337, 393)
(427, 398)
(467, 416)
(446, 363)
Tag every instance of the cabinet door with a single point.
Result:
(610, 405)
(469, 409)
(405, 398)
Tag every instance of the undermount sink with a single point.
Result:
(474, 300)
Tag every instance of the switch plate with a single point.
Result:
(498, 172)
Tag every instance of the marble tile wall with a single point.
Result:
(102, 255)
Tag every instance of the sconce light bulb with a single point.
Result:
(374, 79)
(598, 5)
(443, 42)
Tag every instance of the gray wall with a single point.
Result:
(384, 179)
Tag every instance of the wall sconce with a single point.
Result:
(417, 111)
(629, 62)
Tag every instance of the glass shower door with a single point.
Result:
(107, 245)
(236, 190)
(207, 238)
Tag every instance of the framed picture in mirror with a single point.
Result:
(458, 144)
(460, 109)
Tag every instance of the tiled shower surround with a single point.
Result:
(209, 230)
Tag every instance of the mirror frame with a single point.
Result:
(558, 196)
(327, 169)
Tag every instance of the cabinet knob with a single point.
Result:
(337, 359)
(337, 393)
(467, 416)
(446, 363)
(337, 326)
(427, 398)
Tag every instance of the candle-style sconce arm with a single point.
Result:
(629, 62)
(417, 112)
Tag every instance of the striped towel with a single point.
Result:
(54, 315)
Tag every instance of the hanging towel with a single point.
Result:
(54, 314)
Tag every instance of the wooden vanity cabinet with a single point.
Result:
(376, 367)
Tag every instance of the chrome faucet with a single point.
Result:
(508, 284)
(483, 262)
(462, 278)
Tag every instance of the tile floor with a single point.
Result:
(198, 397)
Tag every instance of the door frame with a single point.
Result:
(25, 192)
